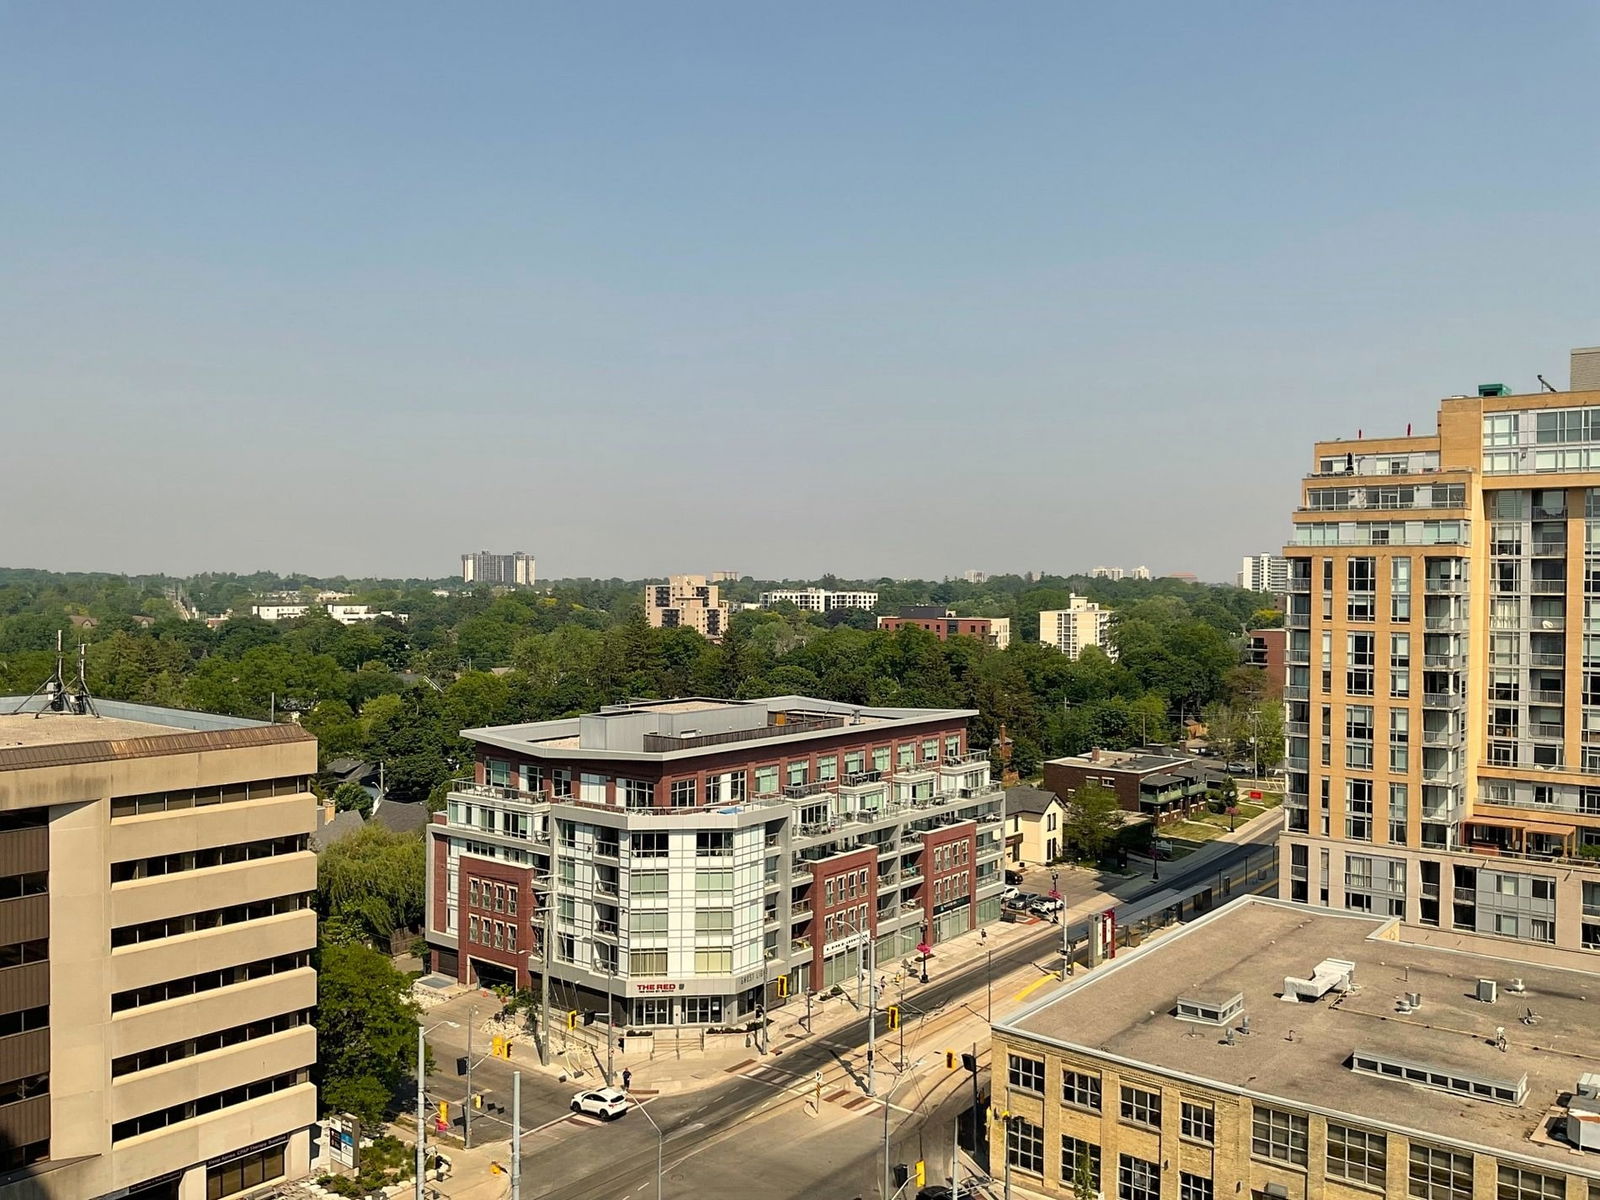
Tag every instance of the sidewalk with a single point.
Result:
(675, 1069)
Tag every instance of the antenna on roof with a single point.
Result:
(59, 695)
(1545, 382)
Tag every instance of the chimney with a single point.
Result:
(1585, 365)
(1094, 755)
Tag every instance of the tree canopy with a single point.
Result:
(366, 1030)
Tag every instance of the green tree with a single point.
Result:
(352, 797)
(1093, 819)
(372, 881)
(367, 1029)
(1083, 1181)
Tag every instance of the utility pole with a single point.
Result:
(975, 1134)
(611, 1042)
(422, 1109)
(516, 1135)
(466, 1109)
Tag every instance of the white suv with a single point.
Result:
(604, 1103)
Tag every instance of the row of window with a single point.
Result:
(227, 793)
(952, 854)
(190, 1109)
(848, 886)
(157, 1056)
(496, 934)
(214, 918)
(199, 860)
(728, 786)
(491, 894)
(708, 960)
(189, 985)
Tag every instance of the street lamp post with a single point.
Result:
(422, 1099)
(887, 1096)
(660, 1140)
(924, 949)
(466, 1109)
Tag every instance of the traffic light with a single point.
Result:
(783, 985)
(588, 1018)
(444, 1113)
(921, 1172)
(902, 1173)
(970, 1062)
(572, 1018)
(477, 1101)
(498, 1048)
(894, 1016)
(950, 1060)
(461, 1065)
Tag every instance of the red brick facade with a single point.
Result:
(943, 628)
(495, 907)
(949, 870)
(844, 893)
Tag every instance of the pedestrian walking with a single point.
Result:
(983, 935)
(627, 1079)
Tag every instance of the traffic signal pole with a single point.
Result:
(872, 1008)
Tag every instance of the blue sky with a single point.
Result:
(872, 289)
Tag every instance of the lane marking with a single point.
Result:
(1038, 983)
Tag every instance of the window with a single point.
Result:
(1356, 1155)
(246, 1171)
(1140, 1107)
(796, 772)
(1081, 1090)
(511, 901)
(561, 784)
(766, 781)
(646, 885)
(1137, 1179)
(647, 920)
(714, 843)
(1278, 1135)
(1080, 1162)
(713, 962)
(714, 883)
(1438, 1174)
(903, 756)
(472, 891)
(637, 793)
(648, 845)
(1026, 1073)
(647, 962)
(472, 929)
(1516, 1184)
(702, 1010)
(1198, 1122)
(930, 750)
(1193, 1187)
(827, 767)
(880, 758)
(592, 788)
(855, 761)
(1358, 810)
(1024, 1144)
(714, 921)
(683, 793)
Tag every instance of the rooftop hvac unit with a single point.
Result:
(1589, 1085)
(1488, 991)
(1414, 1000)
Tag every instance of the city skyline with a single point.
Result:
(677, 250)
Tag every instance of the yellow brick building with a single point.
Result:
(1179, 1069)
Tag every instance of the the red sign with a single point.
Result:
(1255, 795)
(659, 987)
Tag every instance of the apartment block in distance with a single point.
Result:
(1443, 691)
(819, 599)
(510, 570)
(944, 624)
(1265, 1051)
(156, 987)
(1264, 573)
(1081, 624)
(695, 859)
(687, 602)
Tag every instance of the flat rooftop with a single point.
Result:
(665, 729)
(31, 737)
(1123, 1010)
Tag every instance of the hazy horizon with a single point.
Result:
(900, 289)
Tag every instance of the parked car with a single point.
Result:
(1045, 904)
(1013, 876)
(605, 1103)
(1010, 895)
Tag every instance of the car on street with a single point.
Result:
(1013, 876)
(1010, 895)
(1045, 904)
(605, 1103)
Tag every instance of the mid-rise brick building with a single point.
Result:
(687, 855)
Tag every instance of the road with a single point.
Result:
(579, 1158)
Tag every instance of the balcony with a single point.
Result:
(1441, 775)
(605, 887)
(1297, 728)
(910, 874)
(1441, 737)
(800, 946)
(1547, 729)
(1445, 587)
(1294, 691)
(1546, 659)
(1299, 584)
(1445, 662)
(1545, 696)
(1452, 701)
(1297, 621)
(971, 756)
(1547, 587)
(800, 910)
(1295, 762)
(1549, 547)
(859, 778)
(888, 879)
(1445, 624)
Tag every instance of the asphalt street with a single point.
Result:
(579, 1158)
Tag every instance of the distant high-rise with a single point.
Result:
(689, 602)
(1264, 573)
(1082, 623)
(513, 570)
(1107, 573)
(1141, 573)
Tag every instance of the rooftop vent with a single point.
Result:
(1478, 1087)
(1210, 1008)
(1493, 389)
(1329, 975)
